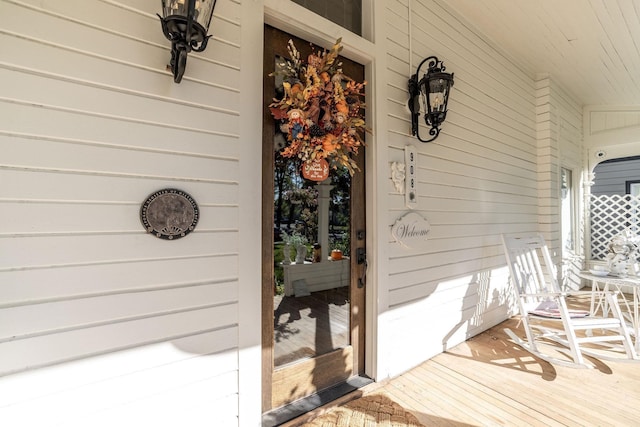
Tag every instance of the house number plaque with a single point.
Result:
(169, 214)
(411, 178)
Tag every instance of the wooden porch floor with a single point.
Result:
(489, 381)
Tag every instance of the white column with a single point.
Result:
(324, 197)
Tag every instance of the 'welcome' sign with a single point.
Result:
(411, 229)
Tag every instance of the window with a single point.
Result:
(567, 209)
(346, 13)
(633, 188)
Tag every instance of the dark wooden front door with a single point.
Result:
(313, 312)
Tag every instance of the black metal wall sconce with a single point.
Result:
(185, 23)
(434, 88)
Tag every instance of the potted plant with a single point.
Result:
(299, 242)
(286, 249)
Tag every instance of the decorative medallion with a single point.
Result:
(169, 214)
(315, 170)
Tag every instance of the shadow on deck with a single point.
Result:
(489, 381)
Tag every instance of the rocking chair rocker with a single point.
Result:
(542, 305)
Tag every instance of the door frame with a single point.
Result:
(321, 363)
(295, 19)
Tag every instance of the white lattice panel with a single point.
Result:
(611, 215)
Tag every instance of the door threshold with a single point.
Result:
(300, 407)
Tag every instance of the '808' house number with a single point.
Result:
(410, 160)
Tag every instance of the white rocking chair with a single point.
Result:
(542, 305)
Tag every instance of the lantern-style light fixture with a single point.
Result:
(434, 89)
(185, 23)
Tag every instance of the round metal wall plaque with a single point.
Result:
(169, 214)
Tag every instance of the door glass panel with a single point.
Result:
(346, 13)
(311, 254)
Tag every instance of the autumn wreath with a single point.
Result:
(321, 110)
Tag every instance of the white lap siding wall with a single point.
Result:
(101, 323)
(478, 179)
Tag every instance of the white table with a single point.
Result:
(615, 283)
(317, 276)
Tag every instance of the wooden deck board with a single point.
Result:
(558, 398)
(491, 401)
(463, 403)
(426, 410)
(489, 381)
(440, 405)
(311, 325)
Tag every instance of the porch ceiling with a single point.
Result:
(590, 47)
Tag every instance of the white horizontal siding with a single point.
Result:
(77, 127)
(50, 184)
(137, 386)
(101, 323)
(108, 334)
(559, 145)
(125, 328)
(72, 250)
(44, 284)
(477, 180)
(26, 216)
(22, 322)
(451, 312)
(64, 158)
(548, 160)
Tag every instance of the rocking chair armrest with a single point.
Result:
(600, 293)
(565, 294)
(543, 294)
